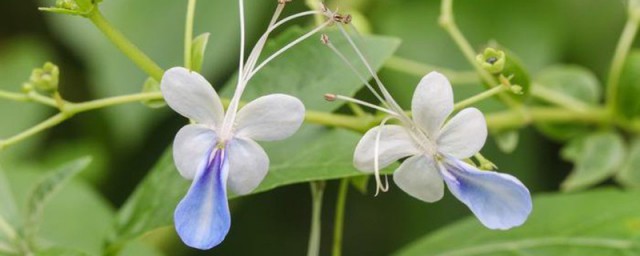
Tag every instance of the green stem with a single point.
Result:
(420, 69)
(52, 121)
(111, 101)
(13, 96)
(188, 33)
(511, 119)
(479, 97)
(338, 225)
(448, 23)
(317, 191)
(548, 95)
(129, 49)
(619, 57)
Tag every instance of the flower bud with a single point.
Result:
(492, 60)
(44, 79)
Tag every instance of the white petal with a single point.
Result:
(395, 143)
(464, 135)
(432, 103)
(248, 165)
(191, 148)
(419, 177)
(189, 94)
(271, 117)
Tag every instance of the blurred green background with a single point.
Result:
(126, 141)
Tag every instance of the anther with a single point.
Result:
(347, 19)
(492, 60)
(330, 97)
(325, 39)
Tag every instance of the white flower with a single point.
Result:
(434, 150)
(220, 150)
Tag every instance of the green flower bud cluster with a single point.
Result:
(67, 4)
(43, 79)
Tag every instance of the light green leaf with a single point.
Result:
(77, 218)
(198, 47)
(575, 83)
(629, 175)
(8, 211)
(310, 70)
(599, 222)
(314, 153)
(599, 157)
(628, 103)
(47, 188)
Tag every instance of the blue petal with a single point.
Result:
(202, 217)
(499, 201)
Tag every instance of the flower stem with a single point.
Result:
(448, 23)
(129, 49)
(339, 217)
(561, 100)
(420, 69)
(479, 97)
(619, 57)
(317, 191)
(188, 33)
(52, 121)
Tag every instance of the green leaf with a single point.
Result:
(47, 188)
(360, 183)
(151, 85)
(629, 87)
(574, 82)
(320, 154)
(8, 211)
(629, 175)
(599, 157)
(198, 47)
(310, 69)
(599, 222)
(77, 218)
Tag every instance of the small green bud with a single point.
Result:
(198, 47)
(67, 4)
(45, 79)
(27, 87)
(492, 60)
(151, 85)
(516, 89)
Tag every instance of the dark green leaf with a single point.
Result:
(320, 154)
(310, 70)
(599, 157)
(628, 103)
(574, 82)
(600, 222)
(630, 173)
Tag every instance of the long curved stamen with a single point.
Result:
(376, 160)
(332, 97)
(344, 59)
(393, 104)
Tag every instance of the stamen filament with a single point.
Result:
(376, 160)
(353, 68)
(288, 46)
(332, 97)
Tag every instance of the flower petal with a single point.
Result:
(202, 218)
(189, 94)
(395, 143)
(499, 201)
(248, 165)
(190, 149)
(464, 135)
(432, 103)
(271, 117)
(420, 178)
